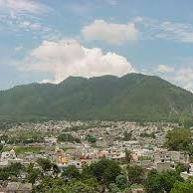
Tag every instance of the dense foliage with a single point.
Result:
(162, 182)
(11, 172)
(91, 139)
(102, 176)
(104, 171)
(182, 187)
(22, 137)
(179, 139)
(65, 137)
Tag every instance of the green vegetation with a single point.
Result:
(57, 185)
(11, 172)
(104, 171)
(162, 182)
(28, 149)
(45, 164)
(65, 137)
(121, 182)
(102, 176)
(180, 167)
(145, 158)
(135, 174)
(182, 187)
(91, 139)
(127, 136)
(186, 121)
(71, 172)
(150, 135)
(132, 97)
(1, 147)
(179, 139)
(33, 174)
(22, 137)
(128, 156)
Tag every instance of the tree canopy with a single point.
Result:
(179, 139)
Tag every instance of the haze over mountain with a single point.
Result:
(131, 97)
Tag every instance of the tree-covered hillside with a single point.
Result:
(131, 97)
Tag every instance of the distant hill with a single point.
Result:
(133, 97)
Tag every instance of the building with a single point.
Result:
(17, 187)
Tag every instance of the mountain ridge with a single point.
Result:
(130, 97)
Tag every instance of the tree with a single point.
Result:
(186, 121)
(49, 184)
(4, 137)
(86, 186)
(45, 164)
(4, 174)
(114, 188)
(127, 136)
(104, 170)
(15, 169)
(154, 183)
(56, 169)
(135, 174)
(33, 174)
(121, 181)
(71, 172)
(12, 171)
(182, 187)
(1, 147)
(91, 139)
(128, 156)
(169, 179)
(65, 137)
(58, 185)
(179, 139)
(180, 167)
(161, 182)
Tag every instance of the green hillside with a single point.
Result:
(131, 97)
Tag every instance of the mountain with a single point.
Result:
(131, 97)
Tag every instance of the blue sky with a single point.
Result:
(47, 41)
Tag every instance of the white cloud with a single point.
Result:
(168, 30)
(18, 24)
(68, 57)
(110, 32)
(177, 31)
(20, 16)
(181, 75)
(165, 69)
(19, 6)
(184, 77)
(32, 26)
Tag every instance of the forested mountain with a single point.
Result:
(131, 97)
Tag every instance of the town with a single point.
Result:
(81, 143)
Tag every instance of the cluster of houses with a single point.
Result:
(113, 139)
(16, 187)
(160, 159)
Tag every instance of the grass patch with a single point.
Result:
(28, 149)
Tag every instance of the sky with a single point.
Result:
(47, 41)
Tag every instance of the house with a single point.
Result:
(164, 166)
(188, 173)
(17, 187)
(8, 155)
(138, 190)
(50, 140)
(164, 155)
